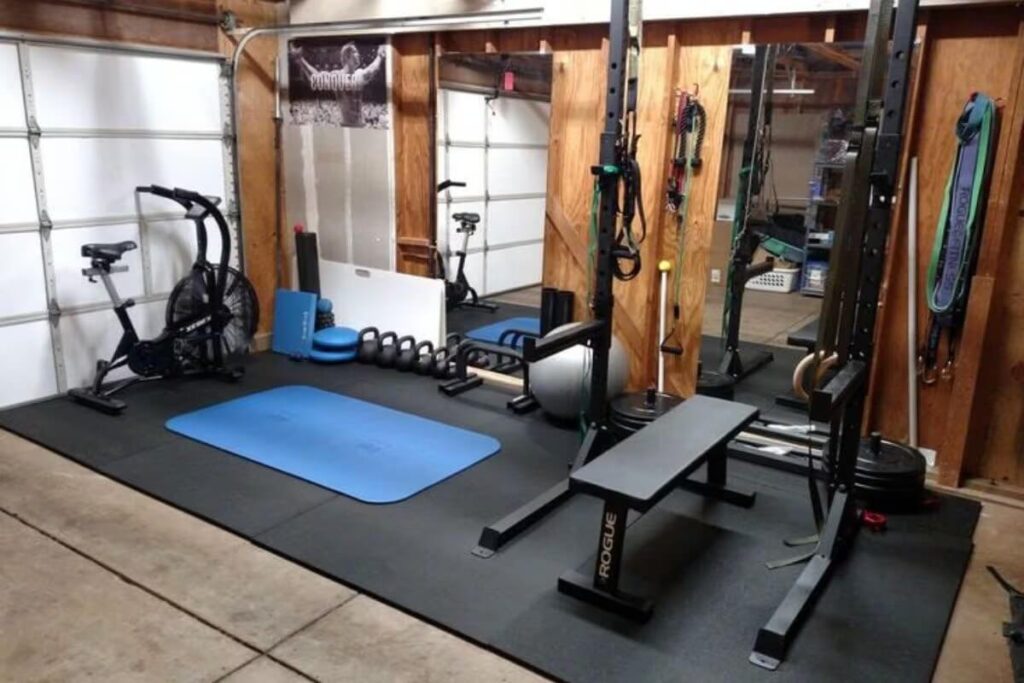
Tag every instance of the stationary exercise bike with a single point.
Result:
(459, 292)
(211, 313)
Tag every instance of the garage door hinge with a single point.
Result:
(45, 224)
(53, 309)
(34, 131)
(225, 69)
(228, 134)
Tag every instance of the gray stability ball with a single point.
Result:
(561, 381)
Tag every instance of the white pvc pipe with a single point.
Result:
(661, 331)
(912, 306)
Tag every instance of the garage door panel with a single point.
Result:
(515, 220)
(514, 267)
(73, 288)
(172, 250)
(17, 189)
(12, 107)
(89, 336)
(89, 178)
(522, 122)
(466, 165)
(21, 279)
(517, 171)
(118, 91)
(27, 363)
(467, 116)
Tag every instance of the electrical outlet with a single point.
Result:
(716, 276)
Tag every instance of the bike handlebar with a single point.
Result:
(158, 190)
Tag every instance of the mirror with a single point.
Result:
(786, 133)
(492, 118)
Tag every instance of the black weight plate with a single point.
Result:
(716, 384)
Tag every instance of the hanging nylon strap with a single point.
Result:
(958, 234)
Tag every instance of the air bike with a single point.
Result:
(211, 313)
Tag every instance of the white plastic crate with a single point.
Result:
(783, 280)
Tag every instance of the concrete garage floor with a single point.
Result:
(99, 582)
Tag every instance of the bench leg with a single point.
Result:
(716, 485)
(602, 590)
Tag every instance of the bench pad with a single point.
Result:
(643, 468)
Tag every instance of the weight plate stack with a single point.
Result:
(889, 476)
(632, 412)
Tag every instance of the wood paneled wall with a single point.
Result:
(963, 50)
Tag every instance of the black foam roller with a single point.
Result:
(308, 257)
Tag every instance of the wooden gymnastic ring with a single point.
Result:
(801, 368)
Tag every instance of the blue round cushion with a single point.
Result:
(335, 339)
(320, 356)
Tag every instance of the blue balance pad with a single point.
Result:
(492, 333)
(363, 450)
(335, 339)
(321, 356)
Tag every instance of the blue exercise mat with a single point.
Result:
(362, 450)
(492, 333)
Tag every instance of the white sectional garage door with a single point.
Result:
(499, 148)
(80, 127)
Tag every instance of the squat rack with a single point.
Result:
(870, 179)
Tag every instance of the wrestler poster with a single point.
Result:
(339, 81)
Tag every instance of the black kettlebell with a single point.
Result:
(388, 354)
(424, 361)
(368, 345)
(442, 369)
(406, 354)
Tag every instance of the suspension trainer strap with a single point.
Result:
(959, 232)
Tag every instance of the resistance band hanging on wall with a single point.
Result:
(688, 128)
(958, 234)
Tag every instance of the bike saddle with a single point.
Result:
(108, 252)
(472, 218)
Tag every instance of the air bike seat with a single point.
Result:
(108, 253)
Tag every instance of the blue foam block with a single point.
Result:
(324, 356)
(362, 450)
(335, 339)
(492, 333)
(294, 319)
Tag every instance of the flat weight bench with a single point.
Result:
(641, 470)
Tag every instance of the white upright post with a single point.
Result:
(912, 306)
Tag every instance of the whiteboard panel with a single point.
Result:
(12, 107)
(22, 281)
(17, 188)
(514, 267)
(87, 337)
(515, 220)
(73, 288)
(467, 116)
(96, 177)
(524, 122)
(27, 364)
(365, 297)
(517, 171)
(124, 92)
(466, 165)
(455, 238)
